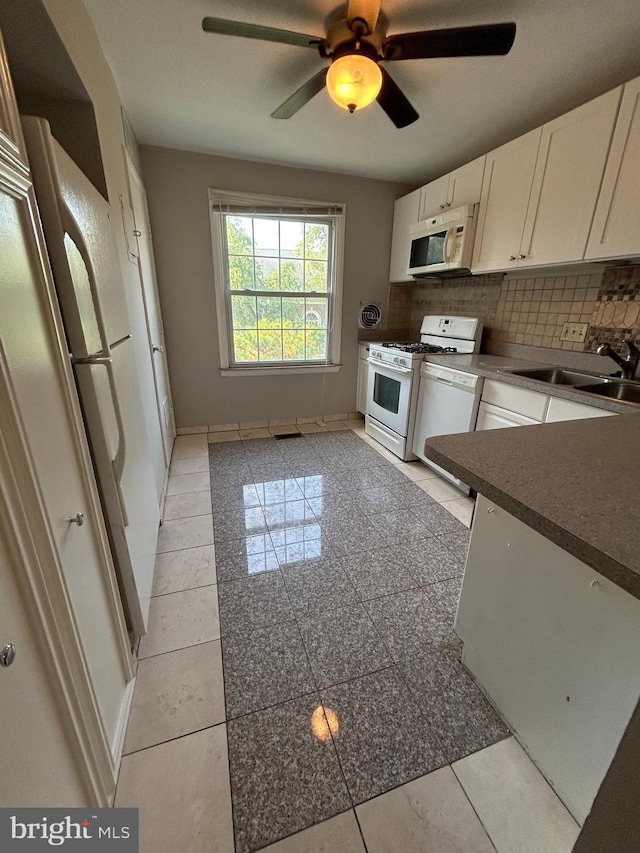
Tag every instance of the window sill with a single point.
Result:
(280, 371)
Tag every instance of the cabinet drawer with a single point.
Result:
(531, 404)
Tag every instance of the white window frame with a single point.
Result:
(222, 202)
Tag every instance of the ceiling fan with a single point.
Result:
(357, 45)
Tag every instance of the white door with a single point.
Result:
(506, 187)
(615, 232)
(146, 265)
(433, 197)
(36, 387)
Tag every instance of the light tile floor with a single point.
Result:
(300, 687)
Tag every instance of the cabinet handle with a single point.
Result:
(512, 257)
(441, 206)
(77, 519)
(7, 655)
(448, 204)
(522, 256)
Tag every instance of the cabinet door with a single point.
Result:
(568, 410)
(615, 231)
(465, 183)
(506, 187)
(433, 197)
(492, 417)
(363, 373)
(405, 214)
(571, 159)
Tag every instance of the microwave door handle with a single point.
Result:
(448, 244)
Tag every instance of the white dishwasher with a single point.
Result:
(447, 403)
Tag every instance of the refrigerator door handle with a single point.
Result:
(103, 358)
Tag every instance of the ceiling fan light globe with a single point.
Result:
(354, 81)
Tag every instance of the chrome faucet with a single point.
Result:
(628, 365)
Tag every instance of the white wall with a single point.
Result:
(177, 183)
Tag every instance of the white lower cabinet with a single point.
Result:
(493, 417)
(556, 648)
(363, 372)
(568, 410)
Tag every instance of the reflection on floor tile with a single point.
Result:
(429, 814)
(380, 733)
(517, 807)
(267, 667)
(182, 791)
(285, 774)
(176, 693)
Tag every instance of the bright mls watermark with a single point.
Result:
(83, 830)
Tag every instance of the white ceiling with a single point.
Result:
(184, 88)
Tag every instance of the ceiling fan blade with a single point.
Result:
(484, 40)
(394, 102)
(303, 95)
(254, 31)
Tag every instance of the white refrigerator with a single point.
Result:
(77, 225)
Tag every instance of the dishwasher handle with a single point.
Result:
(453, 378)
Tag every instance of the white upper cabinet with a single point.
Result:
(571, 159)
(460, 187)
(405, 214)
(508, 177)
(616, 232)
(539, 191)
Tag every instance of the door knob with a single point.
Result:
(7, 655)
(156, 348)
(78, 519)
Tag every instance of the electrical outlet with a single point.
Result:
(576, 332)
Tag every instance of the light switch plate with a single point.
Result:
(576, 332)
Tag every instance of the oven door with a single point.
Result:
(389, 395)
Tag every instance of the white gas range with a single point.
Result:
(394, 377)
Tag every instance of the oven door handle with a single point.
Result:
(394, 368)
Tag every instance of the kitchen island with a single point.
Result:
(549, 612)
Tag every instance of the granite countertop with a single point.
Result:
(490, 366)
(575, 482)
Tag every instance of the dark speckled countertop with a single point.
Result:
(575, 482)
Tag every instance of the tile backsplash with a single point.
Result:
(531, 310)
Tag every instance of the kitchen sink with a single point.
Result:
(558, 376)
(615, 389)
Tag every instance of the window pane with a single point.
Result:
(293, 345)
(265, 237)
(315, 313)
(270, 345)
(240, 235)
(240, 272)
(291, 239)
(267, 274)
(316, 241)
(245, 346)
(293, 312)
(315, 273)
(243, 312)
(316, 344)
(270, 312)
(291, 275)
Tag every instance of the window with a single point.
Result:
(278, 271)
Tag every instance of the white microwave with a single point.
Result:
(443, 244)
